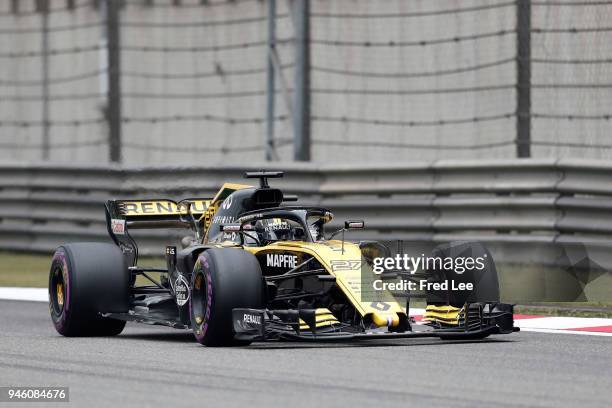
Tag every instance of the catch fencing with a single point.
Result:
(192, 81)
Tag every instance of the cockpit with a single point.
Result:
(262, 227)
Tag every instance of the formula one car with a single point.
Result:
(258, 269)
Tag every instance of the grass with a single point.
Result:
(29, 270)
(32, 270)
(572, 309)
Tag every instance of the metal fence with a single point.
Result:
(191, 81)
(521, 208)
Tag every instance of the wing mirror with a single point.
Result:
(354, 224)
(348, 225)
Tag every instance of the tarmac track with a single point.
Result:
(156, 366)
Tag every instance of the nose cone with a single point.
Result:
(388, 320)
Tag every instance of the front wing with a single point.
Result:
(262, 325)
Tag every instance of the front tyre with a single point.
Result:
(461, 263)
(87, 279)
(481, 274)
(223, 279)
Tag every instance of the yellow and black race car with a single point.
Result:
(259, 269)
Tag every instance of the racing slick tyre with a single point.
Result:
(223, 279)
(87, 279)
(481, 273)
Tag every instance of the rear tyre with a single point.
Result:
(87, 279)
(223, 279)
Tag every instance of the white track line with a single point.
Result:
(415, 311)
(543, 324)
(557, 331)
(30, 294)
(561, 323)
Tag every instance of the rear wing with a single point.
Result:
(123, 215)
(191, 213)
(154, 213)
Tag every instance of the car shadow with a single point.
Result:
(372, 343)
(187, 337)
(178, 337)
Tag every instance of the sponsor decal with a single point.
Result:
(181, 290)
(162, 207)
(281, 261)
(276, 224)
(223, 219)
(252, 319)
(230, 236)
(227, 203)
(118, 226)
(126, 249)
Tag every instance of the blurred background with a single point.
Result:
(349, 80)
(433, 121)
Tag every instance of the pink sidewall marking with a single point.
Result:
(203, 261)
(60, 256)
